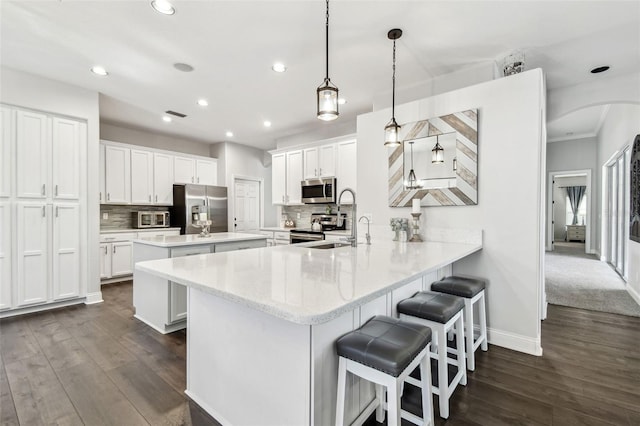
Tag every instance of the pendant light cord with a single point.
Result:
(327, 42)
(393, 83)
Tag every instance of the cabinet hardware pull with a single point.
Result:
(100, 198)
(56, 190)
(43, 211)
(105, 250)
(320, 174)
(44, 189)
(149, 198)
(56, 211)
(114, 249)
(108, 196)
(198, 179)
(191, 179)
(315, 172)
(156, 198)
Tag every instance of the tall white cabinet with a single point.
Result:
(42, 225)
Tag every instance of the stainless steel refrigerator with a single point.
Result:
(190, 201)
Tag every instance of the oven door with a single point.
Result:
(304, 237)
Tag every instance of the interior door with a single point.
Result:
(246, 205)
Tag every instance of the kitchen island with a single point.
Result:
(262, 323)
(162, 304)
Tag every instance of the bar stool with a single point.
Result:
(472, 290)
(442, 313)
(385, 351)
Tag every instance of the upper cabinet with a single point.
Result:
(33, 133)
(6, 129)
(130, 174)
(67, 145)
(320, 161)
(290, 167)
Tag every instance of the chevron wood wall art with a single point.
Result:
(465, 191)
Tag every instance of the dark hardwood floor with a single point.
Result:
(98, 365)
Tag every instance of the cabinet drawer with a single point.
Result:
(239, 245)
(281, 235)
(191, 251)
(269, 234)
(123, 236)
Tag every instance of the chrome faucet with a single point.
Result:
(368, 236)
(353, 239)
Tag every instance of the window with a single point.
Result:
(582, 211)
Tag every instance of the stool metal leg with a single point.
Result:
(342, 383)
(483, 323)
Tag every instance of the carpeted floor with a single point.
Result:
(574, 278)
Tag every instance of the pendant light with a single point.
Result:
(412, 181)
(437, 153)
(392, 129)
(327, 93)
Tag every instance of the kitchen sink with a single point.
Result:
(330, 245)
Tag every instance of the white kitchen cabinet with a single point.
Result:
(279, 178)
(118, 174)
(294, 177)
(33, 135)
(102, 178)
(346, 175)
(67, 146)
(66, 251)
(6, 290)
(184, 169)
(121, 258)
(163, 179)
(32, 243)
(178, 292)
(320, 161)
(6, 137)
(206, 172)
(141, 177)
(105, 260)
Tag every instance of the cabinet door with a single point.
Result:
(178, 292)
(65, 157)
(6, 139)
(141, 177)
(346, 174)
(310, 163)
(31, 253)
(102, 178)
(327, 160)
(294, 177)
(5, 256)
(278, 178)
(206, 172)
(121, 258)
(163, 179)
(184, 170)
(118, 174)
(105, 260)
(33, 135)
(66, 251)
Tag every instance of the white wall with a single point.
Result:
(244, 161)
(510, 199)
(150, 139)
(30, 91)
(620, 127)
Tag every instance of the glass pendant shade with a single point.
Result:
(327, 101)
(437, 154)
(391, 132)
(412, 181)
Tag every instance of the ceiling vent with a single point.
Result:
(176, 114)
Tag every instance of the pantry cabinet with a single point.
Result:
(117, 174)
(6, 130)
(33, 136)
(66, 251)
(32, 232)
(141, 177)
(5, 256)
(67, 137)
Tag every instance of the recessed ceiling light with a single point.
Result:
(279, 67)
(599, 69)
(229, 134)
(183, 67)
(203, 102)
(342, 101)
(163, 6)
(267, 123)
(166, 119)
(98, 70)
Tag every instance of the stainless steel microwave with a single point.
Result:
(151, 219)
(321, 190)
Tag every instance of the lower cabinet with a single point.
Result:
(121, 258)
(178, 292)
(66, 251)
(5, 257)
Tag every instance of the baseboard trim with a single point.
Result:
(516, 342)
(213, 413)
(95, 297)
(634, 294)
(168, 329)
(41, 307)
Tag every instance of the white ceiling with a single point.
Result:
(232, 45)
(584, 123)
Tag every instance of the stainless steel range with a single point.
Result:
(319, 224)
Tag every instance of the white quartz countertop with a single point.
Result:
(306, 285)
(114, 231)
(195, 239)
(275, 228)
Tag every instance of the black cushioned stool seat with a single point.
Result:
(459, 286)
(384, 351)
(384, 343)
(432, 306)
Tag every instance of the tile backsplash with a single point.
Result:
(121, 217)
(305, 211)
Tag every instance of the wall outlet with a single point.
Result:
(105, 216)
(298, 215)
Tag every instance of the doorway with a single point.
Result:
(247, 204)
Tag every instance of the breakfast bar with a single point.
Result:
(262, 323)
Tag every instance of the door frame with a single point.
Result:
(552, 176)
(232, 197)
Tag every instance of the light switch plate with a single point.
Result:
(105, 216)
